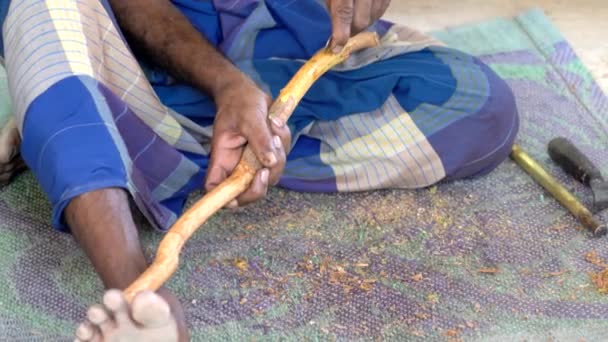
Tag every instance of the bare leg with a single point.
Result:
(101, 222)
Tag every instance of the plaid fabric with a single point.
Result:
(407, 114)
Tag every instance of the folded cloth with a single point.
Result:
(407, 114)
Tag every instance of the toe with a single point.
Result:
(117, 305)
(99, 317)
(85, 333)
(150, 310)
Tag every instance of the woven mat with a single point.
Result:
(494, 258)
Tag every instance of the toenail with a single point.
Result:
(97, 315)
(84, 332)
(113, 300)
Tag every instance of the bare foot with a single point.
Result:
(148, 319)
(10, 162)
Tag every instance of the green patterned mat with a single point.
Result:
(387, 265)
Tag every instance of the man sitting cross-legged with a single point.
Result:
(144, 101)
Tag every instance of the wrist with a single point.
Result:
(232, 83)
(231, 78)
(216, 76)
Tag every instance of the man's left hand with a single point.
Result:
(349, 17)
(242, 118)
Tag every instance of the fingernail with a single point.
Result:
(233, 204)
(276, 141)
(277, 122)
(271, 159)
(264, 176)
(337, 49)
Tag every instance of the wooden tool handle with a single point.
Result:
(573, 161)
(167, 256)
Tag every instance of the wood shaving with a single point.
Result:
(336, 274)
(452, 333)
(421, 315)
(433, 297)
(593, 258)
(417, 277)
(600, 280)
(306, 265)
(557, 274)
(417, 333)
(241, 264)
(492, 270)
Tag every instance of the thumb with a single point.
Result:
(260, 140)
(342, 12)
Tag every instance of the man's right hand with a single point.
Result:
(349, 17)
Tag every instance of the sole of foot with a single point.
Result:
(148, 319)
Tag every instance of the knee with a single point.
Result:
(501, 110)
(488, 135)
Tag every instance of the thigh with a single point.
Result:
(407, 122)
(87, 114)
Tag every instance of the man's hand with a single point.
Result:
(242, 118)
(11, 163)
(349, 17)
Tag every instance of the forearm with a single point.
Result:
(168, 38)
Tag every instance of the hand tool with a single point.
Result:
(560, 193)
(575, 163)
(167, 256)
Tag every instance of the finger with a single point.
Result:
(5, 178)
(258, 189)
(225, 154)
(282, 141)
(7, 153)
(379, 8)
(215, 175)
(233, 204)
(9, 171)
(362, 18)
(341, 20)
(259, 138)
(13, 166)
(277, 170)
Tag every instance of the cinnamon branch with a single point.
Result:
(167, 256)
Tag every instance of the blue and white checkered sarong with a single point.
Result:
(407, 114)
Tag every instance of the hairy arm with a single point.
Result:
(163, 34)
(158, 29)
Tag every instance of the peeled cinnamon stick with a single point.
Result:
(167, 257)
